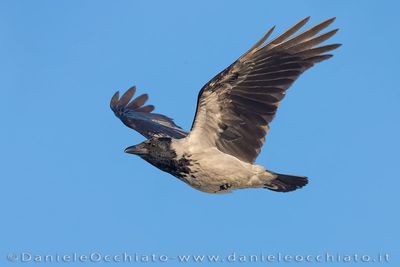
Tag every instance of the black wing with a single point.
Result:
(138, 117)
(235, 108)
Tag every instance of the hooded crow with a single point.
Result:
(234, 110)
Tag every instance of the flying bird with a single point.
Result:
(234, 111)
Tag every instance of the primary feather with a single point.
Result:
(234, 110)
(138, 117)
(236, 106)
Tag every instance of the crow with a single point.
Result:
(234, 110)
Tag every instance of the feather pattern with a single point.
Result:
(235, 108)
(138, 117)
(233, 115)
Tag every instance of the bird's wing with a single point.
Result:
(138, 117)
(235, 108)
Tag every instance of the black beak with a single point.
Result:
(136, 150)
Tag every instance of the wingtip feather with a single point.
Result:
(312, 42)
(138, 101)
(305, 20)
(326, 23)
(259, 42)
(114, 100)
(289, 32)
(127, 96)
(146, 109)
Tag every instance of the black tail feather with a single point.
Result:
(286, 183)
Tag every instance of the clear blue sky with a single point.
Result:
(67, 186)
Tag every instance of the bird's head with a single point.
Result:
(154, 148)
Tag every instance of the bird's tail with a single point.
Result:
(286, 183)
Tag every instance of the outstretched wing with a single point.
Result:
(235, 108)
(138, 117)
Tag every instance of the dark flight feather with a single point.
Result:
(246, 95)
(138, 117)
(233, 115)
(234, 108)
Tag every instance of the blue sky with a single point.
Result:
(67, 186)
